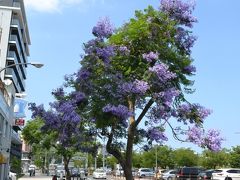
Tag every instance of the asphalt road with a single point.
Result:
(40, 176)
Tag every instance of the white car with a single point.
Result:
(100, 173)
(12, 176)
(169, 174)
(145, 172)
(226, 174)
(119, 172)
(60, 171)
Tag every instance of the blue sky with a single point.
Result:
(59, 27)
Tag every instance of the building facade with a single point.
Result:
(14, 42)
(26, 157)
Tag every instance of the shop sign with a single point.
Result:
(19, 108)
(19, 122)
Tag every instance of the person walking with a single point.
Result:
(54, 177)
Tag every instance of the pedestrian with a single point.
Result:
(30, 172)
(54, 177)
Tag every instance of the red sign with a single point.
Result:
(19, 122)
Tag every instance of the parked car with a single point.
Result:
(60, 171)
(169, 174)
(145, 172)
(226, 174)
(158, 173)
(134, 172)
(100, 173)
(52, 169)
(75, 172)
(118, 172)
(188, 173)
(205, 174)
(12, 176)
(108, 170)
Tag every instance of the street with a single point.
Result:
(40, 176)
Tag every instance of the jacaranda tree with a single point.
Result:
(135, 80)
(69, 132)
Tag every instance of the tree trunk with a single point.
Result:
(126, 162)
(66, 162)
(127, 166)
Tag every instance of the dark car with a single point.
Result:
(75, 172)
(188, 173)
(205, 174)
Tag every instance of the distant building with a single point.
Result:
(26, 157)
(14, 42)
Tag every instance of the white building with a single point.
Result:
(14, 41)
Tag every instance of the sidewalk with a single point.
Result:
(38, 176)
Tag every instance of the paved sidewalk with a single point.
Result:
(38, 176)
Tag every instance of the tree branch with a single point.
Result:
(144, 111)
(112, 150)
(174, 133)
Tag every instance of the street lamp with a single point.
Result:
(36, 64)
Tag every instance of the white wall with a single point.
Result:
(5, 110)
(5, 21)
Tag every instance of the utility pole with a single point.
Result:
(103, 151)
(156, 159)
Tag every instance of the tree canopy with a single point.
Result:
(132, 83)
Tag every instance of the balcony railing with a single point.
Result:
(22, 54)
(13, 57)
(15, 23)
(11, 74)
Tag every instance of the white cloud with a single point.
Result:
(51, 5)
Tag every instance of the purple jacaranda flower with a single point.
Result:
(90, 46)
(103, 29)
(185, 40)
(52, 120)
(166, 97)
(190, 69)
(124, 50)
(162, 72)
(140, 86)
(120, 111)
(210, 140)
(105, 53)
(36, 110)
(157, 135)
(159, 112)
(213, 140)
(151, 56)
(136, 87)
(78, 97)
(193, 113)
(195, 135)
(180, 11)
(82, 74)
